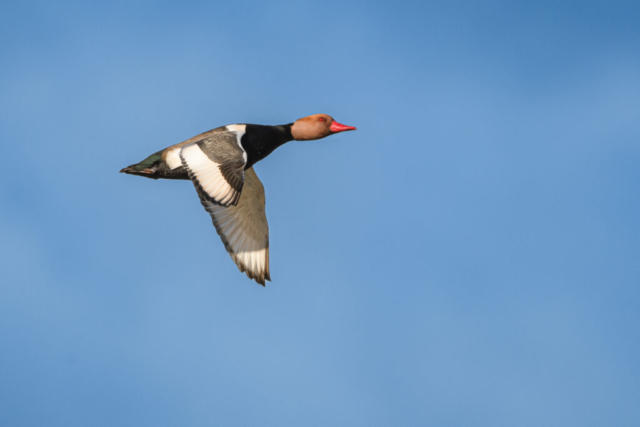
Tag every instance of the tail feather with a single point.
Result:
(147, 167)
(135, 170)
(155, 168)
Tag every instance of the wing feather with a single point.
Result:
(243, 227)
(216, 164)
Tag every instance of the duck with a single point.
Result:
(220, 163)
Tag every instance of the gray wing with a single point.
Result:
(216, 164)
(243, 228)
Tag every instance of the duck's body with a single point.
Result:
(220, 164)
(257, 141)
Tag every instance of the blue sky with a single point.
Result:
(468, 257)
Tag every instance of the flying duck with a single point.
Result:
(220, 165)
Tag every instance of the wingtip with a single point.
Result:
(265, 278)
(260, 280)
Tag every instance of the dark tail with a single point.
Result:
(155, 168)
(147, 167)
(136, 170)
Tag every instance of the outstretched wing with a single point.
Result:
(243, 228)
(216, 164)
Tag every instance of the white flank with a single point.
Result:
(173, 158)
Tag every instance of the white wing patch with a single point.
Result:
(207, 176)
(244, 230)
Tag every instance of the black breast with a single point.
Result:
(260, 141)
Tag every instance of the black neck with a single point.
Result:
(260, 141)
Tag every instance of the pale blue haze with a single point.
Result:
(469, 257)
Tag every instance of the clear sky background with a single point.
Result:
(469, 257)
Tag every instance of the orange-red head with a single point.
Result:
(316, 127)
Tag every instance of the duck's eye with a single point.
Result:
(321, 119)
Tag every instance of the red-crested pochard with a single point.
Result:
(220, 165)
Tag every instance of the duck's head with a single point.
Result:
(316, 127)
